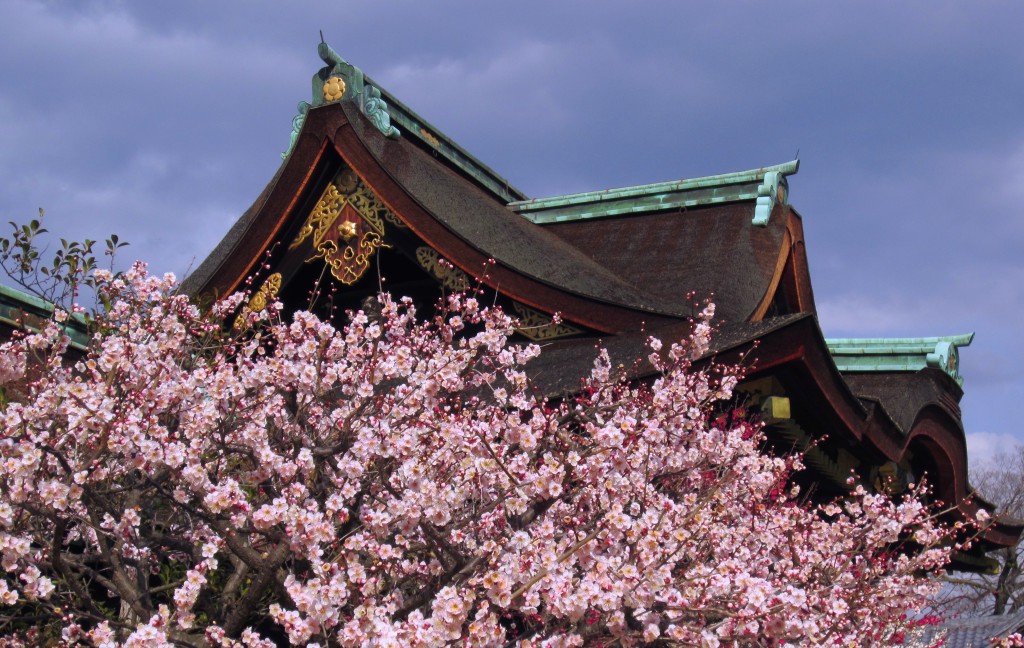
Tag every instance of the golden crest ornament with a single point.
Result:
(334, 88)
(346, 227)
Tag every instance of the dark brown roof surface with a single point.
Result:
(491, 228)
(563, 364)
(904, 395)
(714, 251)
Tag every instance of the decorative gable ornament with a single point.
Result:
(346, 226)
(342, 81)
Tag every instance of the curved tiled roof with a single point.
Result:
(644, 263)
(975, 632)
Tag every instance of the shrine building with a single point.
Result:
(370, 194)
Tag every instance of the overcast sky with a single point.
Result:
(162, 121)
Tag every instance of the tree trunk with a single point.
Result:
(1003, 589)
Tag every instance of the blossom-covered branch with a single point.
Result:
(399, 482)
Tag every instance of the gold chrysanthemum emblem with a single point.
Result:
(347, 230)
(334, 88)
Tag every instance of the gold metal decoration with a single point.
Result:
(891, 478)
(259, 301)
(393, 218)
(334, 88)
(429, 137)
(347, 226)
(450, 277)
(539, 327)
(348, 230)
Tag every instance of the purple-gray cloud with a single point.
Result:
(162, 121)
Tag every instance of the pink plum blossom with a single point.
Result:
(399, 482)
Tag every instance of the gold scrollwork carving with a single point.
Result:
(347, 227)
(372, 207)
(260, 299)
(441, 269)
(539, 327)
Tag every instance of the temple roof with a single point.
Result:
(974, 632)
(712, 251)
(448, 212)
(493, 230)
(20, 311)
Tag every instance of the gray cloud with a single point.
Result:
(162, 121)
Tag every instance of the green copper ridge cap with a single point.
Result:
(772, 187)
(423, 131)
(355, 88)
(338, 81)
(899, 354)
(27, 312)
(382, 108)
(661, 196)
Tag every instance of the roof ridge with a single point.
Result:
(959, 340)
(765, 185)
(339, 80)
(736, 177)
(900, 354)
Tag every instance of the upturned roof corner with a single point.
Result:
(773, 188)
(900, 354)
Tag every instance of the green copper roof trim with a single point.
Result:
(382, 108)
(356, 89)
(754, 175)
(297, 121)
(353, 87)
(418, 128)
(21, 310)
(676, 194)
(773, 184)
(899, 354)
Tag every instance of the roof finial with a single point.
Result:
(340, 80)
